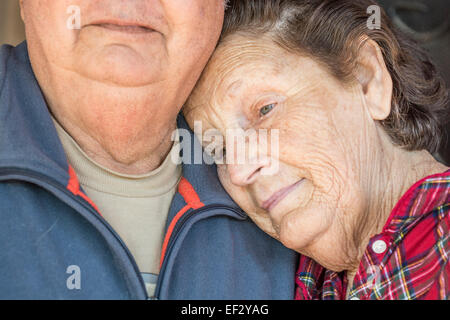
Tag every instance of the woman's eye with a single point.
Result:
(266, 109)
(220, 154)
(217, 154)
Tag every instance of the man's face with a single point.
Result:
(128, 43)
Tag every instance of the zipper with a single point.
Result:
(45, 179)
(176, 231)
(178, 228)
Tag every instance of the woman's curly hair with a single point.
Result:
(330, 31)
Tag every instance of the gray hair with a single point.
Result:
(329, 31)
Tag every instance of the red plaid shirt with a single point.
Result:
(408, 260)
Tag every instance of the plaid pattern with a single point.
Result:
(415, 264)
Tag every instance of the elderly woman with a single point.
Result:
(358, 111)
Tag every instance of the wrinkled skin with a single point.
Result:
(351, 174)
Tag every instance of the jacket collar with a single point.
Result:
(28, 138)
(202, 176)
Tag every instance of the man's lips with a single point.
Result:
(123, 26)
(270, 203)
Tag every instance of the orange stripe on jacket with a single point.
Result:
(192, 200)
(74, 187)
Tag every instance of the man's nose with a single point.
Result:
(247, 174)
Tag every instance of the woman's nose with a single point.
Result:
(246, 174)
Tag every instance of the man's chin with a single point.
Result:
(120, 65)
(122, 75)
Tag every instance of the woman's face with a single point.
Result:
(312, 202)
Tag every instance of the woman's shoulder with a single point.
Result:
(420, 247)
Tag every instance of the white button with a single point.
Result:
(354, 298)
(379, 246)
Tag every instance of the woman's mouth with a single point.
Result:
(276, 198)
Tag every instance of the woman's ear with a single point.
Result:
(375, 80)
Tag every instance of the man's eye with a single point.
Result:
(266, 109)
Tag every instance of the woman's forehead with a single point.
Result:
(237, 65)
(242, 68)
(238, 52)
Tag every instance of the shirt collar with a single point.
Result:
(425, 195)
(316, 282)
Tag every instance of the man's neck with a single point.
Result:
(115, 160)
(127, 130)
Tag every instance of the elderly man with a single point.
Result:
(92, 204)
